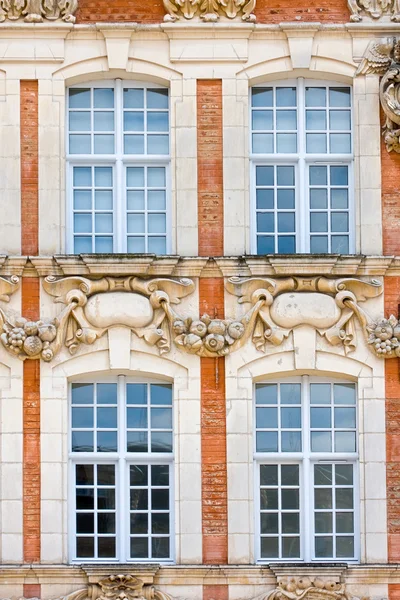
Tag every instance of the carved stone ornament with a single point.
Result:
(383, 58)
(36, 11)
(276, 306)
(116, 587)
(210, 10)
(374, 9)
(307, 588)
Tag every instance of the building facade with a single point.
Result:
(199, 300)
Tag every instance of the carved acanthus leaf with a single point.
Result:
(307, 588)
(383, 58)
(8, 287)
(35, 11)
(210, 10)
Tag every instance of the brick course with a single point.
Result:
(148, 11)
(278, 11)
(29, 168)
(390, 162)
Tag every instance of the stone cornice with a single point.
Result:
(174, 266)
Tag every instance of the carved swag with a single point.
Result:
(35, 11)
(383, 58)
(299, 588)
(210, 10)
(274, 308)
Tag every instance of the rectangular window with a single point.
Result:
(301, 152)
(121, 456)
(118, 156)
(306, 457)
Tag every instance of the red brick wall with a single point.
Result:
(390, 201)
(31, 310)
(210, 168)
(392, 381)
(141, 11)
(278, 11)
(29, 168)
(216, 592)
(32, 590)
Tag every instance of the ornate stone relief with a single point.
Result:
(210, 10)
(275, 307)
(307, 588)
(374, 9)
(383, 58)
(116, 587)
(35, 11)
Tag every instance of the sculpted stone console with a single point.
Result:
(210, 10)
(35, 11)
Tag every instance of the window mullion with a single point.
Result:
(302, 212)
(308, 492)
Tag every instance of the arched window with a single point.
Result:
(121, 455)
(306, 470)
(118, 152)
(302, 155)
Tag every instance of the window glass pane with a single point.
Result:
(323, 522)
(156, 177)
(103, 200)
(79, 98)
(286, 244)
(133, 121)
(319, 244)
(286, 222)
(345, 441)
(263, 143)
(135, 200)
(290, 393)
(339, 198)
(339, 175)
(82, 245)
(318, 222)
(286, 120)
(291, 441)
(104, 223)
(262, 97)
(134, 144)
(339, 119)
(266, 418)
(157, 201)
(316, 120)
(157, 223)
(262, 120)
(286, 143)
(285, 96)
(324, 546)
(79, 121)
(265, 245)
(157, 245)
(269, 474)
(267, 393)
(265, 222)
(133, 98)
(103, 98)
(157, 121)
(158, 144)
(269, 547)
(321, 441)
(157, 98)
(318, 198)
(315, 96)
(316, 143)
(340, 244)
(267, 441)
(340, 143)
(339, 97)
(344, 393)
(345, 546)
(318, 175)
(285, 176)
(80, 144)
(285, 199)
(136, 245)
(103, 121)
(103, 144)
(291, 547)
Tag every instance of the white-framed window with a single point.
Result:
(118, 157)
(306, 466)
(302, 168)
(121, 471)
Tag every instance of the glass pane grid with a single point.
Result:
(95, 511)
(278, 418)
(275, 209)
(333, 418)
(146, 121)
(150, 512)
(274, 120)
(149, 418)
(93, 216)
(328, 120)
(329, 209)
(334, 511)
(94, 423)
(91, 121)
(146, 209)
(280, 511)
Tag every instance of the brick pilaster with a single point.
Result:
(211, 295)
(32, 590)
(31, 310)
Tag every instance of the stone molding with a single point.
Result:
(309, 588)
(37, 11)
(209, 10)
(116, 587)
(382, 57)
(275, 307)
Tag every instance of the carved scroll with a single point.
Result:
(35, 11)
(383, 58)
(210, 10)
(374, 9)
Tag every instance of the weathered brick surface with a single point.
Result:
(392, 384)
(213, 437)
(390, 201)
(29, 168)
(215, 592)
(140, 11)
(210, 167)
(32, 590)
(278, 11)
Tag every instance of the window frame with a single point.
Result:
(119, 163)
(306, 461)
(302, 161)
(122, 461)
